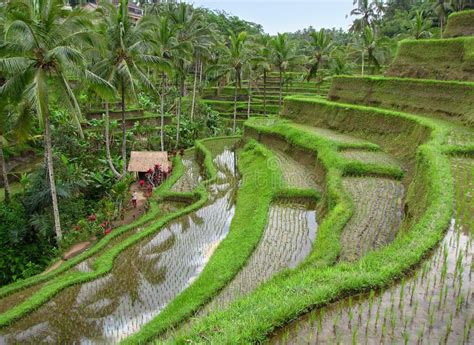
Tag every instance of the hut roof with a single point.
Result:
(141, 161)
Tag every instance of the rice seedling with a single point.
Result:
(332, 135)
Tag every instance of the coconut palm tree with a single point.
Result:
(284, 56)
(263, 63)
(121, 64)
(190, 29)
(369, 12)
(236, 57)
(39, 55)
(3, 125)
(166, 47)
(372, 48)
(441, 10)
(420, 26)
(321, 45)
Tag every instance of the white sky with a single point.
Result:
(285, 15)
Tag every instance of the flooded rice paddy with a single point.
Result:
(286, 241)
(378, 205)
(295, 174)
(331, 135)
(144, 279)
(191, 176)
(369, 157)
(435, 305)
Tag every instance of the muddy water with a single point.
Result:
(191, 177)
(377, 214)
(295, 174)
(435, 305)
(287, 240)
(370, 157)
(145, 277)
(331, 135)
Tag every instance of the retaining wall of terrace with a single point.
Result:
(460, 24)
(442, 59)
(453, 101)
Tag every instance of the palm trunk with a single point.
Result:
(6, 185)
(265, 92)
(200, 72)
(107, 142)
(52, 183)
(162, 111)
(124, 133)
(235, 109)
(280, 97)
(363, 61)
(249, 97)
(194, 90)
(178, 113)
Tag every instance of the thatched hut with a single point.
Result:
(141, 161)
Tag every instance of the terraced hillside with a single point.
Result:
(262, 98)
(347, 219)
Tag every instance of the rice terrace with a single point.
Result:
(173, 173)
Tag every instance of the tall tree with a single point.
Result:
(121, 64)
(188, 24)
(263, 63)
(284, 56)
(321, 45)
(40, 47)
(167, 47)
(368, 12)
(3, 130)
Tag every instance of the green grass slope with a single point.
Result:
(460, 24)
(443, 59)
(450, 100)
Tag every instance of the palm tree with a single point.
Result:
(321, 45)
(236, 58)
(369, 12)
(3, 125)
(284, 56)
(167, 47)
(439, 7)
(188, 24)
(39, 49)
(372, 49)
(122, 62)
(420, 26)
(263, 63)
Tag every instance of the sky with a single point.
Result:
(285, 15)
